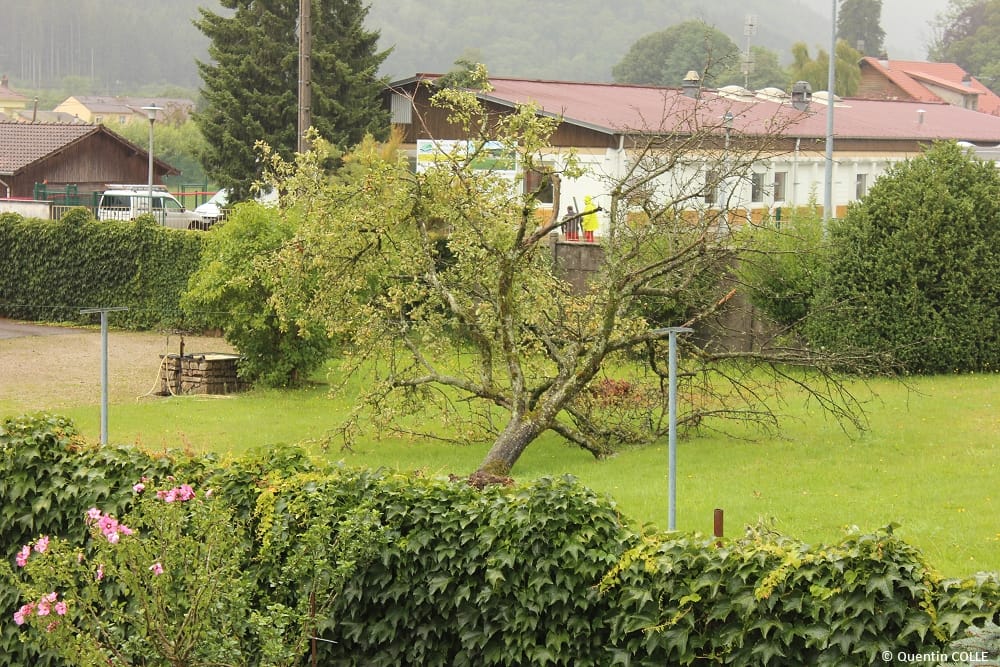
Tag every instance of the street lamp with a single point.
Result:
(151, 114)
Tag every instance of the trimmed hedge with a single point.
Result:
(541, 573)
(52, 269)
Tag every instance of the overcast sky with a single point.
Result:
(905, 22)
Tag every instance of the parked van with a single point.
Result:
(127, 202)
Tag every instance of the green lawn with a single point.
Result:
(929, 462)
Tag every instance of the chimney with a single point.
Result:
(3, 82)
(967, 80)
(691, 85)
(883, 60)
(801, 95)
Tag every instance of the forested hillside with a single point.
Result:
(119, 46)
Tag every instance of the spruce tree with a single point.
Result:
(251, 86)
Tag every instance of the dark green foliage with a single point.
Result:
(912, 268)
(53, 269)
(231, 291)
(541, 573)
(664, 58)
(783, 265)
(251, 83)
(859, 23)
(966, 34)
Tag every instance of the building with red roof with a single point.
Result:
(925, 82)
(605, 125)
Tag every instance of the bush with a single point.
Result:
(912, 268)
(53, 269)
(540, 573)
(782, 266)
(232, 291)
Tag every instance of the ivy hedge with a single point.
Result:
(54, 268)
(534, 574)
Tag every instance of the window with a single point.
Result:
(860, 186)
(756, 188)
(711, 191)
(780, 177)
(539, 182)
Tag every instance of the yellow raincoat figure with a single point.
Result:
(590, 222)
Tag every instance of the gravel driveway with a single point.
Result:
(47, 367)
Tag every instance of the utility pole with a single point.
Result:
(831, 85)
(305, 72)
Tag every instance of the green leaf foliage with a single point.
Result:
(439, 573)
(912, 268)
(783, 266)
(52, 269)
(231, 291)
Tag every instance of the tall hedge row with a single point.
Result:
(536, 574)
(54, 268)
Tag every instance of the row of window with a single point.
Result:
(757, 191)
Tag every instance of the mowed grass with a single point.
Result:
(929, 462)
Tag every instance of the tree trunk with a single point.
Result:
(509, 445)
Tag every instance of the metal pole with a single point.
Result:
(831, 76)
(672, 423)
(151, 114)
(104, 365)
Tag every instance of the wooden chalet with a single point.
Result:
(70, 157)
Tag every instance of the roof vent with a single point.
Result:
(801, 94)
(691, 85)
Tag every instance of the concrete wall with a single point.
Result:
(29, 209)
(736, 326)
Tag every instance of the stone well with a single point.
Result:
(200, 373)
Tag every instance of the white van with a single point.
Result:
(127, 202)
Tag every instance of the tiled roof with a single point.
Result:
(908, 74)
(21, 144)
(615, 109)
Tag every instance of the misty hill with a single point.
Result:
(129, 45)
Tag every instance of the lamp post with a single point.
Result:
(672, 422)
(151, 114)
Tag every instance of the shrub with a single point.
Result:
(232, 291)
(781, 267)
(391, 569)
(911, 268)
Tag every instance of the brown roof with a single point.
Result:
(21, 144)
(617, 109)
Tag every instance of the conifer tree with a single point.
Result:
(251, 85)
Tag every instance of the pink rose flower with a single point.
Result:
(42, 545)
(99, 575)
(139, 487)
(156, 568)
(44, 608)
(61, 608)
(22, 556)
(94, 514)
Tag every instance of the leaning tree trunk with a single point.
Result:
(510, 444)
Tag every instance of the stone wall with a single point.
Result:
(736, 326)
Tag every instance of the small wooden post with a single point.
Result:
(718, 525)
